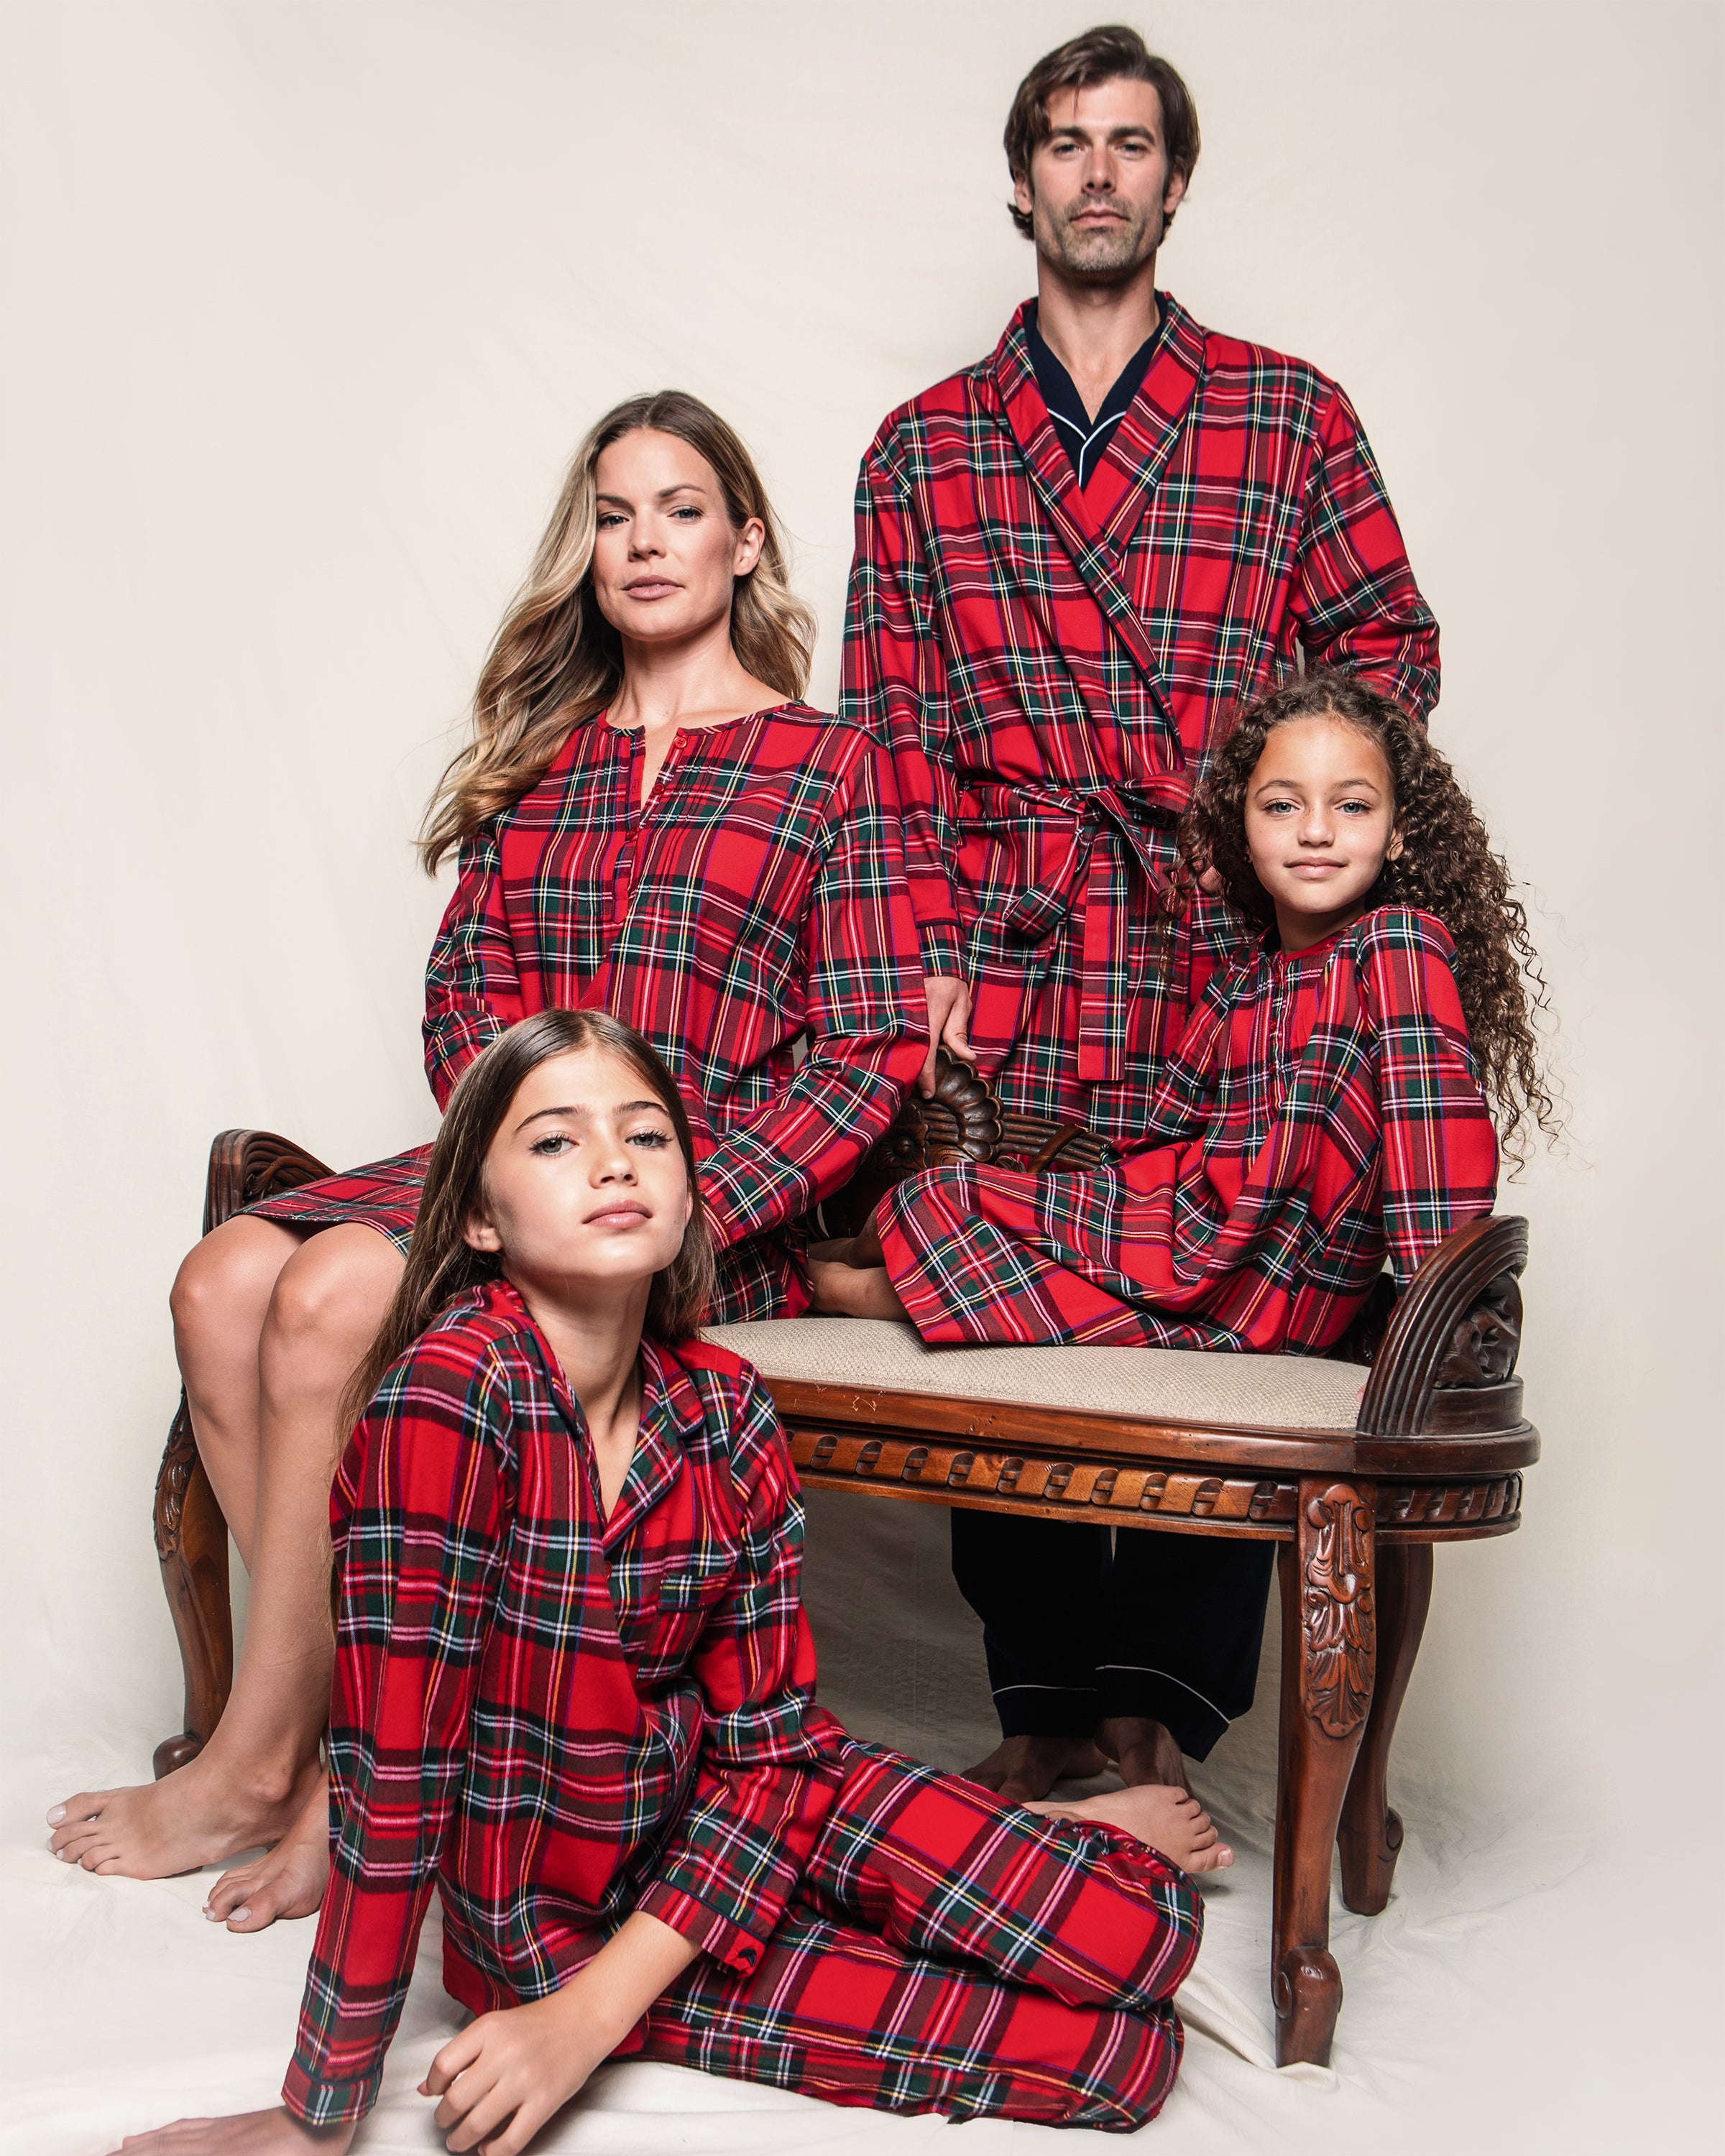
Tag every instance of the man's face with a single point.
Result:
(1099, 192)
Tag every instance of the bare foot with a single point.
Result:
(1175, 1826)
(287, 1883)
(1021, 1768)
(841, 1291)
(1142, 1750)
(196, 1816)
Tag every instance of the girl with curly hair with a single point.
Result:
(1333, 1099)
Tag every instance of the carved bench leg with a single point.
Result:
(1328, 1651)
(1371, 1833)
(192, 1542)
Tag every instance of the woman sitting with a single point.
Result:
(575, 1689)
(648, 822)
(1328, 1104)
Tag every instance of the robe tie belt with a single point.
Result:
(1079, 878)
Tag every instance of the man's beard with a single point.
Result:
(1104, 252)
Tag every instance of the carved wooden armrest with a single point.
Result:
(1447, 1361)
(962, 1121)
(247, 1165)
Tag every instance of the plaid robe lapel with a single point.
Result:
(1136, 459)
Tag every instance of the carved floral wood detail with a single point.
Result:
(1338, 1607)
(171, 1482)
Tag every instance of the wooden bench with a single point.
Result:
(1355, 1473)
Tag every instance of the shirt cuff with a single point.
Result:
(943, 947)
(315, 2102)
(727, 1942)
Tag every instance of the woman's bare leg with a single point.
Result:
(287, 1881)
(219, 1302)
(259, 1769)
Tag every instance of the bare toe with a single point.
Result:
(231, 1889)
(1216, 1858)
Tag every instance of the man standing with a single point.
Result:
(1074, 561)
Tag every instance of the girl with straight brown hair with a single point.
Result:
(647, 822)
(575, 1692)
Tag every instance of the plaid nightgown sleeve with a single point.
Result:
(769, 1761)
(1353, 601)
(1439, 1150)
(472, 989)
(418, 1565)
(893, 680)
(867, 1029)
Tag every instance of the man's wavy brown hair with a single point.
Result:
(1446, 867)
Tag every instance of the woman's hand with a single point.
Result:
(274, 2132)
(948, 1001)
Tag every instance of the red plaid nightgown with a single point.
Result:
(1051, 666)
(1322, 1109)
(758, 898)
(561, 1719)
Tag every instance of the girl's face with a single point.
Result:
(1320, 823)
(665, 555)
(585, 1185)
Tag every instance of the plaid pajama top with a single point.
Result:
(681, 1766)
(1322, 1109)
(753, 907)
(1051, 664)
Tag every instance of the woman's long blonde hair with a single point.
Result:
(557, 659)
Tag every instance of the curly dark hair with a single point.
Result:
(1446, 867)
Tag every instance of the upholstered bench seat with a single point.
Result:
(1162, 1384)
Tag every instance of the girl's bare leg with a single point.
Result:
(260, 1769)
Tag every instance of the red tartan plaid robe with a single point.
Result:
(1321, 1109)
(758, 898)
(1051, 666)
(558, 1719)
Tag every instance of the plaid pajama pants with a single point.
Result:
(947, 1953)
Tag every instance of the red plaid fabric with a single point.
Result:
(1320, 1109)
(944, 1951)
(757, 900)
(1051, 665)
(559, 1718)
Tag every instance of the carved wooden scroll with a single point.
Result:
(962, 1121)
(1448, 1359)
(247, 1165)
(1338, 1604)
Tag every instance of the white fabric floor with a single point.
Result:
(1496, 1999)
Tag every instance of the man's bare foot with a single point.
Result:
(841, 1291)
(289, 1881)
(1175, 1826)
(1021, 1768)
(1143, 1751)
(195, 1817)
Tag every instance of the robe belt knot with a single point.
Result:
(1078, 879)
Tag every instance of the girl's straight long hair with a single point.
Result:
(442, 1264)
(557, 659)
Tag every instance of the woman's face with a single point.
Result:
(585, 1185)
(665, 555)
(1320, 819)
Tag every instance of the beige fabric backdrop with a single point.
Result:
(308, 302)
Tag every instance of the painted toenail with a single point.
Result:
(56, 1815)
